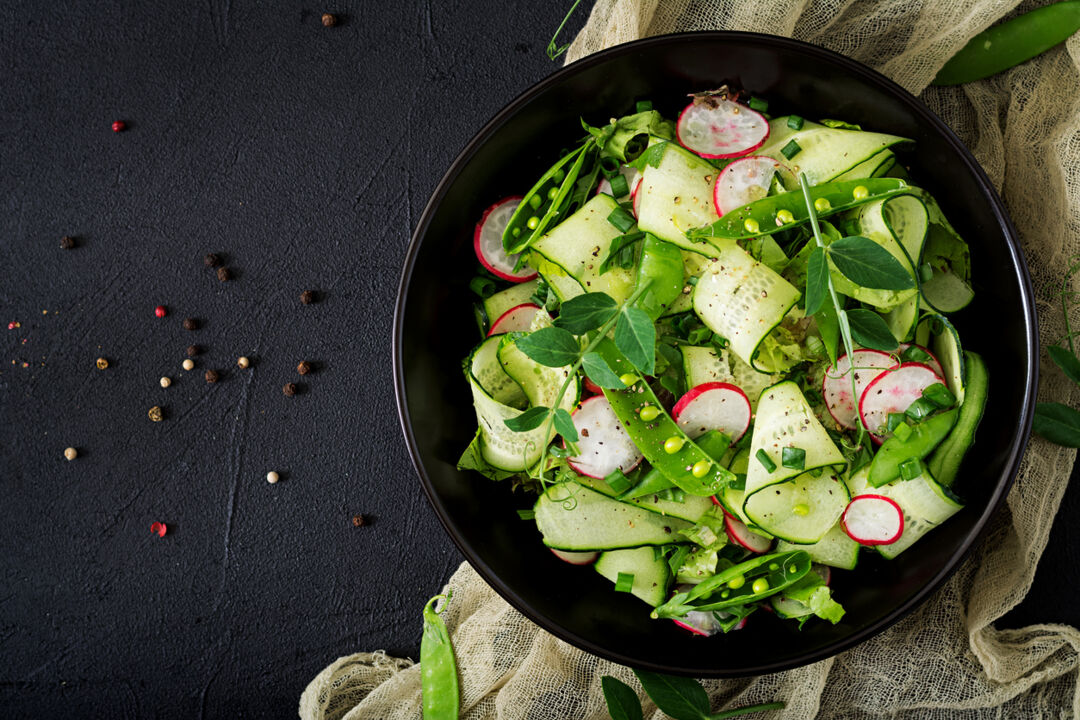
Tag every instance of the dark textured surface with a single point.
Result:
(303, 154)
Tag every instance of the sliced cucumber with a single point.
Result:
(895, 229)
(578, 246)
(484, 366)
(691, 509)
(677, 196)
(875, 166)
(652, 576)
(750, 380)
(800, 510)
(945, 345)
(501, 447)
(903, 318)
(742, 300)
(503, 300)
(835, 549)
(704, 364)
(944, 463)
(826, 153)
(948, 288)
(540, 383)
(573, 517)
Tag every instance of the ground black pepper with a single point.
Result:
(289, 389)
(211, 260)
(191, 324)
(193, 350)
(304, 367)
(223, 274)
(211, 376)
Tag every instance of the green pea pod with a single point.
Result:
(924, 437)
(651, 483)
(741, 584)
(661, 270)
(661, 440)
(439, 680)
(1011, 43)
(774, 213)
(560, 177)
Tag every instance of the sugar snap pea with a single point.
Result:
(661, 269)
(786, 210)
(1011, 43)
(740, 584)
(546, 200)
(439, 680)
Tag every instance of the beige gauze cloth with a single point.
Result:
(946, 660)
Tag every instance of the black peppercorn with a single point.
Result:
(307, 297)
(358, 520)
(193, 350)
(289, 389)
(191, 324)
(211, 376)
(223, 274)
(67, 242)
(304, 367)
(211, 260)
(328, 20)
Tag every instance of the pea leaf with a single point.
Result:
(681, 698)
(829, 326)
(817, 280)
(552, 346)
(528, 420)
(1058, 423)
(635, 336)
(869, 330)
(564, 425)
(597, 370)
(583, 313)
(622, 701)
(865, 263)
(1066, 361)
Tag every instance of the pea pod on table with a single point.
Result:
(439, 680)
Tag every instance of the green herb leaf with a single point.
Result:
(1058, 423)
(583, 313)
(617, 248)
(681, 698)
(1066, 361)
(564, 425)
(869, 330)
(622, 701)
(529, 420)
(529, 514)
(817, 280)
(839, 124)
(597, 370)
(552, 346)
(635, 336)
(652, 156)
(746, 710)
(554, 50)
(865, 263)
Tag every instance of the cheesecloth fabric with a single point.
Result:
(947, 660)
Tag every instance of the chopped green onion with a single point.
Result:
(740, 481)
(795, 122)
(625, 582)
(643, 106)
(758, 104)
(816, 472)
(609, 166)
(793, 458)
(791, 149)
(939, 395)
(621, 219)
(895, 420)
(692, 280)
(617, 481)
(765, 460)
(910, 469)
(482, 286)
(526, 514)
(619, 186)
(902, 431)
(914, 353)
(921, 408)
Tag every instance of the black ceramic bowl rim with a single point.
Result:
(1016, 448)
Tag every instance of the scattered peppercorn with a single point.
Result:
(189, 364)
(193, 350)
(101, 363)
(191, 324)
(357, 520)
(242, 362)
(272, 477)
(156, 414)
(211, 376)
(289, 389)
(223, 274)
(71, 453)
(211, 260)
(166, 381)
(307, 297)
(328, 20)
(67, 242)
(304, 367)
(160, 311)
(119, 126)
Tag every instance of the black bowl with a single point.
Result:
(434, 329)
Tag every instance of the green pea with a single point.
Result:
(860, 192)
(533, 222)
(516, 232)
(438, 672)
(701, 468)
(773, 567)
(822, 204)
(535, 200)
(628, 379)
(736, 582)
(673, 444)
(760, 585)
(559, 175)
(784, 216)
(552, 193)
(725, 594)
(751, 225)
(649, 413)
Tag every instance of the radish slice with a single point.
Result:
(934, 364)
(576, 558)
(699, 623)
(593, 387)
(603, 443)
(744, 536)
(873, 520)
(743, 181)
(634, 198)
(893, 392)
(487, 242)
(713, 406)
(836, 385)
(517, 319)
(717, 128)
(633, 178)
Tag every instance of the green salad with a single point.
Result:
(718, 350)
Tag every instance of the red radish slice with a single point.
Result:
(517, 319)
(713, 406)
(743, 181)
(633, 179)
(744, 536)
(933, 362)
(635, 198)
(873, 520)
(576, 558)
(836, 385)
(593, 387)
(603, 443)
(893, 392)
(487, 242)
(717, 128)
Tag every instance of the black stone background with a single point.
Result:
(304, 155)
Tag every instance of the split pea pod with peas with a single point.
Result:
(438, 671)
